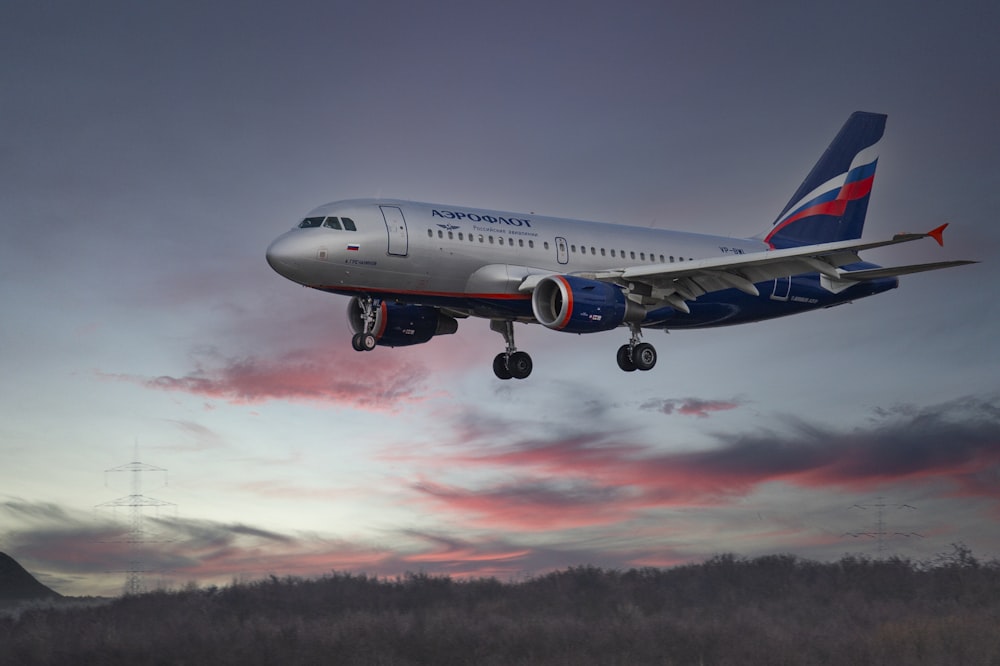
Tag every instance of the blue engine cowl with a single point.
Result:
(578, 305)
(402, 325)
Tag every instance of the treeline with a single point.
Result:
(729, 610)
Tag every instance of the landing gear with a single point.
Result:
(365, 340)
(511, 363)
(636, 355)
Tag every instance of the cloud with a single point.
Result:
(690, 406)
(568, 480)
(376, 380)
(529, 505)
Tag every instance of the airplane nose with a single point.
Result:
(281, 256)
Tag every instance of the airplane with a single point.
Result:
(414, 269)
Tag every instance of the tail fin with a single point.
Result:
(831, 203)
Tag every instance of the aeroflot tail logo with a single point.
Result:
(476, 217)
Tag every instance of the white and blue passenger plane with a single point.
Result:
(413, 269)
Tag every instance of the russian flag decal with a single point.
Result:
(353, 247)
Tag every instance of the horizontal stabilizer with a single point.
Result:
(894, 271)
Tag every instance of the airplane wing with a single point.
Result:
(675, 284)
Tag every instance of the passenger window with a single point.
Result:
(642, 255)
(451, 235)
(593, 250)
(602, 252)
(632, 255)
(545, 245)
(332, 223)
(440, 234)
(310, 222)
(348, 224)
(572, 248)
(500, 240)
(491, 240)
(531, 244)
(430, 233)
(460, 237)
(612, 252)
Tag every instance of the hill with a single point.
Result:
(16, 584)
(770, 610)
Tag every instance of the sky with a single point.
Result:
(149, 153)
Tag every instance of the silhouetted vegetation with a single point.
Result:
(729, 610)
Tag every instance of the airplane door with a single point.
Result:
(782, 289)
(395, 226)
(562, 250)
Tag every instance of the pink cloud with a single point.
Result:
(528, 506)
(596, 478)
(374, 380)
(690, 406)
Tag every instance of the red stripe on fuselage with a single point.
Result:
(407, 292)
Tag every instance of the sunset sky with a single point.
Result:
(150, 151)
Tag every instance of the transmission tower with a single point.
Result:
(879, 531)
(136, 537)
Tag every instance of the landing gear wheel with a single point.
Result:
(519, 365)
(500, 367)
(644, 356)
(625, 359)
(363, 341)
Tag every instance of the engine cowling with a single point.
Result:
(402, 325)
(578, 305)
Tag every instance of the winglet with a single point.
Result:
(938, 234)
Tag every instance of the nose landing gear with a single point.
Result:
(510, 363)
(365, 339)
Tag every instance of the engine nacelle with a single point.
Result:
(578, 305)
(402, 325)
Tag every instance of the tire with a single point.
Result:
(356, 342)
(368, 341)
(644, 356)
(500, 367)
(625, 359)
(519, 365)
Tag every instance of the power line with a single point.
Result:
(137, 537)
(879, 531)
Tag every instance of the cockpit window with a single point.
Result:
(310, 222)
(332, 223)
(348, 224)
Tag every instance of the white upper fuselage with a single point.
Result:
(412, 250)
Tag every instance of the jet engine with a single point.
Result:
(578, 305)
(401, 325)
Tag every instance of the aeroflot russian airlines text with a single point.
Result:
(475, 217)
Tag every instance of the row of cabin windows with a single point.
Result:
(499, 240)
(338, 223)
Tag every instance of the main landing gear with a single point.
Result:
(511, 363)
(366, 340)
(636, 355)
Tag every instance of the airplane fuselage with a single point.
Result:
(473, 261)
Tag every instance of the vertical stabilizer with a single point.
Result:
(831, 203)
